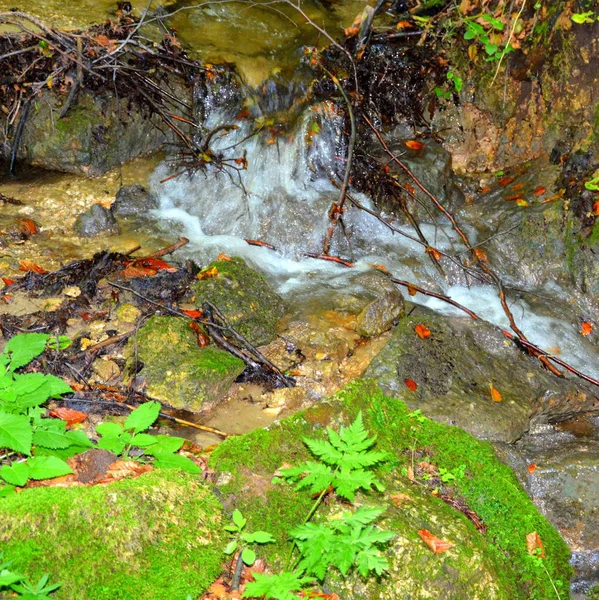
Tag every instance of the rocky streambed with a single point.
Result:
(443, 392)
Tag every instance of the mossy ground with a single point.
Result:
(156, 537)
(489, 488)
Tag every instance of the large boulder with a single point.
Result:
(479, 566)
(454, 369)
(176, 370)
(154, 537)
(244, 296)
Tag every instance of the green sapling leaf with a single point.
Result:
(143, 417)
(176, 461)
(248, 556)
(23, 348)
(47, 467)
(16, 433)
(238, 519)
(230, 547)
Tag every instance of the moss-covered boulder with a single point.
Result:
(454, 369)
(176, 370)
(245, 298)
(481, 565)
(155, 537)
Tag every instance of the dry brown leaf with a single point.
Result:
(399, 499)
(534, 544)
(436, 544)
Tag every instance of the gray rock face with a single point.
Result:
(133, 201)
(94, 221)
(454, 369)
(384, 304)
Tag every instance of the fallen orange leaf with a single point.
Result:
(436, 544)
(422, 330)
(412, 290)
(398, 499)
(485, 190)
(381, 268)
(194, 314)
(521, 202)
(586, 328)
(596, 208)
(27, 265)
(414, 145)
(411, 384)
(207, 273)
(532, 467)
(480, 254)
(433, 252)
(27, 226)
(223, 257)
(495, 395)
(8, 281)
(506, 181)
(540, 191)
(70, 415)
(534, 544)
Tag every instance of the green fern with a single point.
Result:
(345, 458)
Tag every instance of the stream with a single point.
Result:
(283, 199)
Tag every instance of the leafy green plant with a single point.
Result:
(351, 541)
(592, 184)
(489, 38)
(27, 590)
(120, 439)
(585, 17)
(248, 556)
(452, 78)
(21, 423)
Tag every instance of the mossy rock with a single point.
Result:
(155, 537)
(480, 566)
(454, 369)
(176, 370)
(244, 297)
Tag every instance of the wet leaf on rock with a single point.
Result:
(422, 331)
(495, 395)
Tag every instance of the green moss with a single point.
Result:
(178, 372)
(154, 537)
(244, 297)
(489, 488)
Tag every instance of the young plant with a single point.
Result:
(119, 439)
(241, 538)
(15, 582)
(490, 38)
(351, 541)
(21, 423)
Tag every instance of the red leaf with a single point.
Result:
(422, 330)
(70, 415)
(436, 544)
(194, 314)
(411, 384)
(8, 281)
(414, 145)
(540, 191)
(505, 181)
(586, 328)
(532, 467)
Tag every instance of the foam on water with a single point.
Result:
(283, 198)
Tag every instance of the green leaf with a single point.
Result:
(77, 437)
(318, 477)
(230, 547)
(143, 417)
(280, 587)
(176, 461)
(582, 18)
(491, 49)
(248, 556)
(144, 440)
(262, 537)
(47, 467)
(57, 387)
(7, 578)
(16, 433)
(15, 474)
(165, 444)
(115, 444)
(7, 490)
(23, 348)
(495, 23)
(109, 429)
(50, 439)
(238, 519)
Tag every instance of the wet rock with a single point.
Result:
(118, 540)
(133, 201)
(473, 568)
(96, 134)
(244, 297)
(94, 221)
(565, 486)
(454, 369)
(385, 304)
(176, 370)
(105, 371)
